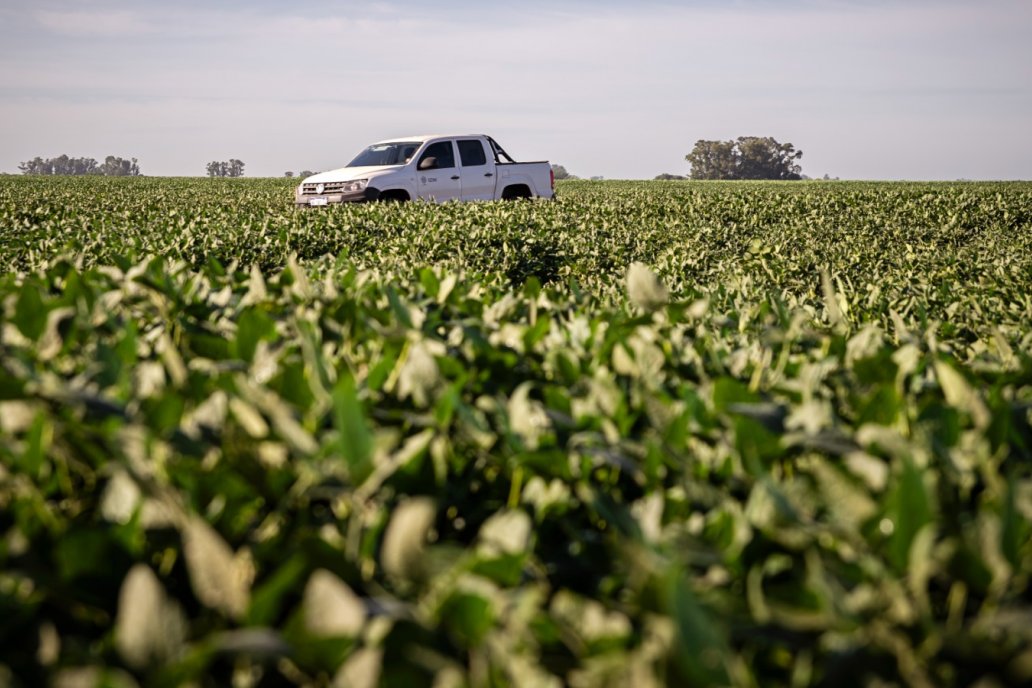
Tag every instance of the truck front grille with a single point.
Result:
(328, 188)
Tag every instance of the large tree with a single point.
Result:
(231, 168)
(747, 157)
(119, 167)
(560, 172)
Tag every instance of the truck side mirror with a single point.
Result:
(428, 163)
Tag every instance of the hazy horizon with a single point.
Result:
(867, 90)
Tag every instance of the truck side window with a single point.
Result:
(471, 152)
(443, 154)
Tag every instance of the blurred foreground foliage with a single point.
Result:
(648, 434)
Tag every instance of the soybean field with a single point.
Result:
(649, 433)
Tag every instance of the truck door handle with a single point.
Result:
(455, 176)
(489, 174)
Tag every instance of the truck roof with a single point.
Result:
(426, 137)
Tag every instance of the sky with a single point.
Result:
(876, 89)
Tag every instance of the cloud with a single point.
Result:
(112, 24)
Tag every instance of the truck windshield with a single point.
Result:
(385, 154)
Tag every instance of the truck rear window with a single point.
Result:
(471, 152)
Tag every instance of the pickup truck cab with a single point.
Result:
(433, 168)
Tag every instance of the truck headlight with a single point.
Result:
(353, 186)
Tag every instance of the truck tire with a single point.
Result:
(394, 196)
(511, 193)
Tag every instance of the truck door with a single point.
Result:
(437, 175)
(477, 172)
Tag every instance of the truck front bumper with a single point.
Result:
(367, 194)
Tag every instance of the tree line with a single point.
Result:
(747, 157)
(112, 166)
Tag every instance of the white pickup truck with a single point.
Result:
(432, 168)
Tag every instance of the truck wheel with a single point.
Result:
(395, 196)
(511, 193)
